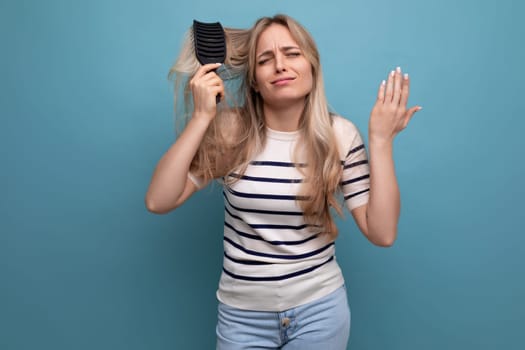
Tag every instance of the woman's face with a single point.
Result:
(283, 75)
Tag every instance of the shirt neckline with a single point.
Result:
(282, 135)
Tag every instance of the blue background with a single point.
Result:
(86, 112)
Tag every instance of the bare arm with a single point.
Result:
(170, 185)
(170, 177)
(379, 218)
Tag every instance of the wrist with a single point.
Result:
(198, 124)
(201, 118)
(380, 142)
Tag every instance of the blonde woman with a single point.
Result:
(285, 162)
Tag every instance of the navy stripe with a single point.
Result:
(279, 227)
(355, 149)
(356, 194)
(259, 238)
(260, 211)
(266, 179)
(270, 226)
(355, 179)
(277, 256)
(231, 214)
(266, 196)
(277, 278)
(246, 262)
(244, 234)
(351, 165)
(281, 164)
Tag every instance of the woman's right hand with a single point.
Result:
(205, 86)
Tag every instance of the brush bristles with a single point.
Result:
(209, 42)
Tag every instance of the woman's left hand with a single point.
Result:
(390, 114)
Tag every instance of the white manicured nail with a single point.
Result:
(383, 83)
(392, 73)
(398, 69)
(406, 76)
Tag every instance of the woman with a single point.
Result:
(283, 159)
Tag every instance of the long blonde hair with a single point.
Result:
(238, 131)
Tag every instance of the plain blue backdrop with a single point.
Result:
(86, 112)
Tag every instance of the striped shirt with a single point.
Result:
(273, 260)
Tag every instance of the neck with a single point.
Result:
(283, 118)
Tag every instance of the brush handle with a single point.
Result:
(218, 97)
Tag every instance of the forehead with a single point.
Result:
(276, 35)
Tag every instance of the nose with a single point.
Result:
(279, 63)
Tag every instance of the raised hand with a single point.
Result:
(205, 86)
(390, 114)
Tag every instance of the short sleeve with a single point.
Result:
(355, 180)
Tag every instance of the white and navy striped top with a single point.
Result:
(272, 260)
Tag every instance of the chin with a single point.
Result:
(284, 100)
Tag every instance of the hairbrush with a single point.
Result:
(210, 43)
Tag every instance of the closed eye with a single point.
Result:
(287, 54)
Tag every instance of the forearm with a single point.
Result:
(170, 175)
(384, 202)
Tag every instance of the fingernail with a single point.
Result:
(383, 82)
(419, 108)
(406, 76)
(392, 73)
(398, 69)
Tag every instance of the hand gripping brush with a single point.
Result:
(210, 44)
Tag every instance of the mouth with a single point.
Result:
(282, 80)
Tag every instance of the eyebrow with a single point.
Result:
(283, 48)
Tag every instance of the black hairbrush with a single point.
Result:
(210, 43)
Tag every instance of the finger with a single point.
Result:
(204, 69)
(212, 90)
(207, 81)
(381, 92)
(397, 86)
(389, 87)
(218, 91)
(405, 92)
(215, 84)
(211, 79)
(410, 113)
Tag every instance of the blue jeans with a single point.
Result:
(321, 324)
